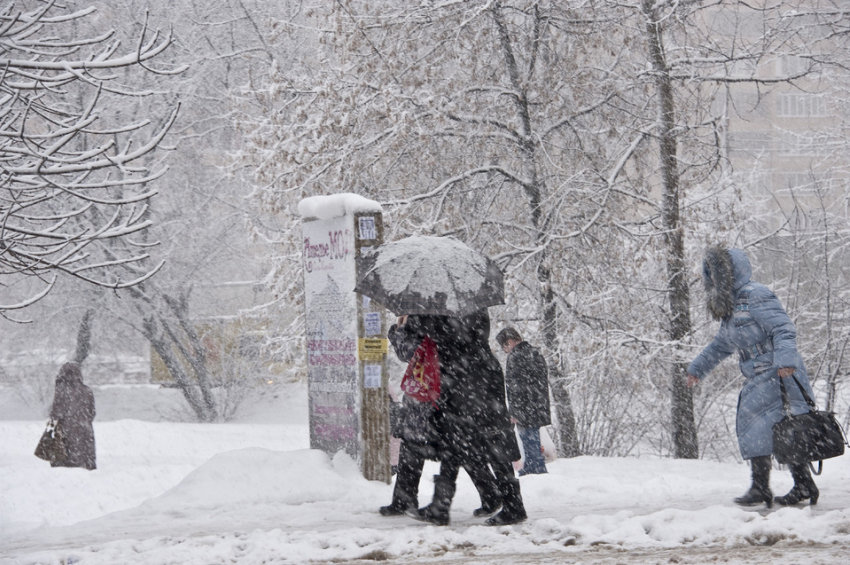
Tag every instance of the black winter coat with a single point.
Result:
(73, 410)
(472, 415)
(527, 379)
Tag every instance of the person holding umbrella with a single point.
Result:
(445, 288)
(420, 440)
(472, 417)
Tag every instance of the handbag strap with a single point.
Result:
(786, 405)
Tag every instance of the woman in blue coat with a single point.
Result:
(754, 325)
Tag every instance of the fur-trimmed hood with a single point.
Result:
(724, 273)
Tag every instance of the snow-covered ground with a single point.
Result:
(253, 492)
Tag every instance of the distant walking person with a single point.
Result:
(527, 383)
(754, 325)
(73, 412)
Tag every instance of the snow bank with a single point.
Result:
(255, 476)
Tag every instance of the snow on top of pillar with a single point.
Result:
(335, 205)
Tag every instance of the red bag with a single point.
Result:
(421, 379)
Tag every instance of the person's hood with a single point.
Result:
(70, 374)
(741, 268)
(724, 273)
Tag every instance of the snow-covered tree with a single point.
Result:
(473, 119)
(72, 182)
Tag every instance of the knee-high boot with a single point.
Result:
(438, 511)
(406, 490)
(513, 510)
(405, 496)
(804, 487)
(760, 489)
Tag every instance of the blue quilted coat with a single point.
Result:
(762, 335)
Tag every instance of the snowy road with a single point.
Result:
(253, 493)
(751, 555)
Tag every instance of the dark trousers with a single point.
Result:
(534, 462)
(478, 466)
(408, 473)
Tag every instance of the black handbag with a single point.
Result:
(809, 437)
(51, 447)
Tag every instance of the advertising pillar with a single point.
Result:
(346, 347)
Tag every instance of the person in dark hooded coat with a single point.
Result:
(472, 417)
(415, 426)
(754, 325)
(73, 411)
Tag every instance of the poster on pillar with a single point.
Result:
(337, 325)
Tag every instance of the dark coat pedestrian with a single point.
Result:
(472, 416)
(472, 406)
(73, 411)
(527, 384)
(415, 424)
(754, 325)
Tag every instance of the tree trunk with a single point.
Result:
(567, 440)
(684, 429)
(197, 356)
(190, 390)
(533, 187)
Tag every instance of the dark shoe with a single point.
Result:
(804, 487)
(760, 489)
(523, 472)
(438, 511)
(798, 494)
(505, 519)
(513, 510)
(488, 490)
(429, 514)
(755, 496)
(487, 510)
(397, 508)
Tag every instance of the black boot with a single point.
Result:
(397, 507)
(438, 511)
(760, 489)
(804, 487)
(513, 511)
(406, 490)
(488, 507)
(485, 484)
(405, 494)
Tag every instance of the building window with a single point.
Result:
(803, 182)
(793, 144)
(750, 144)
(790, 66)
(800, 106)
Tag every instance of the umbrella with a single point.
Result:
(429, 275)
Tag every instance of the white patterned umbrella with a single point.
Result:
(430, 275)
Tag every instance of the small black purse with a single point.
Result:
(809, 437)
